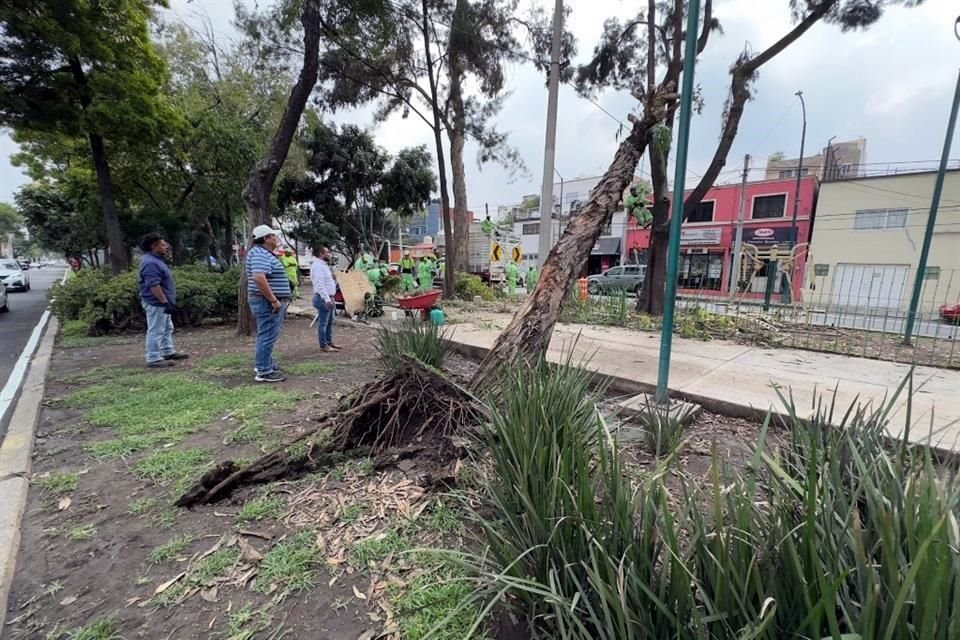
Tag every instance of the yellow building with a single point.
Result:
(867, 236)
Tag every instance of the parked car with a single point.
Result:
(622, 278)
(3, 298)
(950, 313)
(24, 264)
(13, 276)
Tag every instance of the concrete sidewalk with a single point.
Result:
(722, 374)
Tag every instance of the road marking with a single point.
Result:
(15, 379)
(10, 389)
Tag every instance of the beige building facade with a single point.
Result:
(866, 243)
(837, 161)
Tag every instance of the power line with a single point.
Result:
(793, 103)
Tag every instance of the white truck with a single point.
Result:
(481, 260)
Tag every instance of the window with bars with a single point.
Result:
(769, 206)
(869, 219)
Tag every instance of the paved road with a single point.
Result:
(17, 325)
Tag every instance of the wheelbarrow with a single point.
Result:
(421, 302)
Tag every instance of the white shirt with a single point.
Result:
(322, 278)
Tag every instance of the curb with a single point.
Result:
(713, 405)
(15, 460)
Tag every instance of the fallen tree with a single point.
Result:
(410, 411)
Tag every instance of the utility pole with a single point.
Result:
(676, 217)
(934, 206)
(560, 212)
(549, 146)
(787, 294)
(738, 238)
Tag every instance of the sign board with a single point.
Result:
(515, 254)
(767, 236)
(699, 236)
(821, 269)
(496, 252)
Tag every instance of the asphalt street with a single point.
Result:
(17, 325)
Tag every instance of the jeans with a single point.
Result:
(159, 333)
(268, 332)
(324, 321)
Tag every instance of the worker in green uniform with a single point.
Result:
(360, 264)
(487, 225)
(636, 204)
(532, 276)
(425, 273)
(406, 271)
(374, 274)
(292, 267)
(512, 273)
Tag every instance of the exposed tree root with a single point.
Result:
(412, 410)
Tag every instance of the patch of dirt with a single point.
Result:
(62, 583)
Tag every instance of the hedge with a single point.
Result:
(110, 304)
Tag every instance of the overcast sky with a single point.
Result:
(891, 84)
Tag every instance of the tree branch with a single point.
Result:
(741, 74)
(707, 26)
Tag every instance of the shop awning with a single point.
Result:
(606, 247)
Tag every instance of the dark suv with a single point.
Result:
(623, 278)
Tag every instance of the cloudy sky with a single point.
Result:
(891, 84)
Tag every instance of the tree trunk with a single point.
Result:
(528, 335)
(118, 257)
(256, 193)
(458, 260)
(651, 298)
(449, 280)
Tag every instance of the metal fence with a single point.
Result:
(857, 310)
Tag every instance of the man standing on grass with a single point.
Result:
(268, 291)
(324, 290)
(158, 295)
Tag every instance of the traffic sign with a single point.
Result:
(496, 252)
(515, 254)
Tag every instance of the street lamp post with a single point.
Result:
(787, 293)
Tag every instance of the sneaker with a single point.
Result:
(335, 347)
(160, 364)
(176, 355)
(273, 376)
(327, 349)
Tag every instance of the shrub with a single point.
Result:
(468, 286)
(422, 340)
(109, 304)
(835, 535)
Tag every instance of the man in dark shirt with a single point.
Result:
(158, 295)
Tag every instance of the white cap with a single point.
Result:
(263, 230)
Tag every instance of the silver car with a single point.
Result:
(623, 278)
(13, 276)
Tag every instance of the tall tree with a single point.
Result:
(422, 66)
(84, 68)
(351, 194)
(617, 62)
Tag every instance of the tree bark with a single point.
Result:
(263, 175)
(458, 258)
(111, 221)
(108, 204)
(528, 335)
(449, 279)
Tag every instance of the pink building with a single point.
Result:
(707, 237)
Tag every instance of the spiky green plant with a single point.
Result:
(424, 341)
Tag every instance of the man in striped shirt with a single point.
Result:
(268, 292)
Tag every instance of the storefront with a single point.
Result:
(605, 254)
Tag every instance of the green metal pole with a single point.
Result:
(932, 218)
(772, 276)
(676, 216)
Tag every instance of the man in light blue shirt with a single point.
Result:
(158, 296)
(268, 290)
